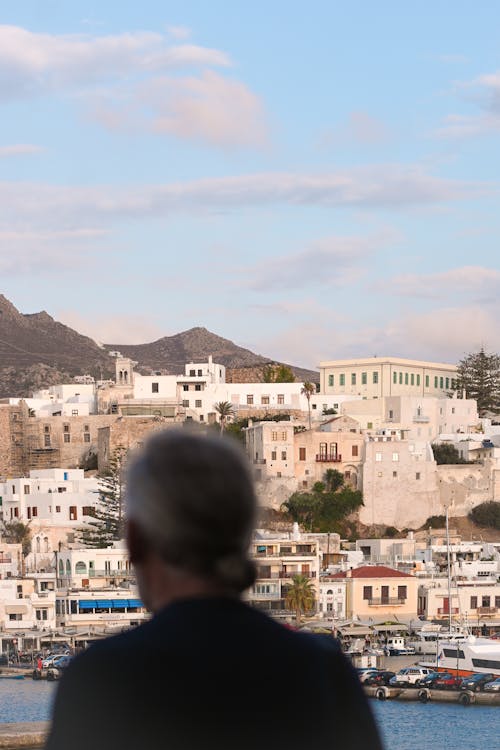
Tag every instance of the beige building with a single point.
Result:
(377, 592)
(375, 377)
(475, 601)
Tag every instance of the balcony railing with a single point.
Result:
(328, 458)
(383, 601)
(298, 553)
(292, 574)
(259, 460)
(421, 418)
(487, 610)
(448, 610)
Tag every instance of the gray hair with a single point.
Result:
(193, 497)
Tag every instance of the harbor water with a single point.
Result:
(404, 726)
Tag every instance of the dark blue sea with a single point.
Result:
(404, 726)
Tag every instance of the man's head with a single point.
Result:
(191, 509)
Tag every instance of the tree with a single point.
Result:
(446, 453)
(300, 596)
(334, 479)
(487, 514)
(479, 374)
(323, 510)
(278, 374)
(224, 409)
(17, 532)
(307, 390)
(108, 525)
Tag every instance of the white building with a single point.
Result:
(66, 399)
(27, 603)
(94, 568)
(99, 609)
(332, 598)
(50, 497)
(375, 377)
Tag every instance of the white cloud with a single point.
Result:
(19, 149)
(179, 32)
(331, 261)
(208, 108)
(31, 251)
(43, 206)
(32, 63)
(484, 91)
(469, 282)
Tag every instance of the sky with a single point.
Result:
(311, 180)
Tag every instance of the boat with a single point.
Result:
(426, 642)
(397, 646)
(467, 656)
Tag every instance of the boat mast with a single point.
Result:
(449, 569)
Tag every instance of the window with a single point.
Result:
(28, 511)
(402, 592)
(264, 400)
(283, 455)
(412, 379)
(250, 399)
(473, 602)
(46, 428)
(417, 475)
(66, 428)
(418, 379)
(200, 373)
(67, 437)
(364, 378)
(72, 513)
(367, 593)
(35, 512)
(375, 378)
(155, 387)
(485, 601)
(400, 378)
(185, 387)
(369, 425)
(406, 378)
(426, 381)
(441, 383)
(497, 602)
(395, 456)
(283, 435)
(197, 403)
(281, 398)
(353, 378)
(378, 457)
(273, 455)
(274, 435)
(86, 428)
(447, 383)
(202, 418)
(394, 377)
(342, 379)
(88, 510)
(86, 437)
(302, 454)
(391, 414)
(355, 450)
(197, 387)
(330, 380)
(435, 381)
(192, 373)
(27, 489)
(58, 508)
(185, 403)
(15, 617)
(394, 474)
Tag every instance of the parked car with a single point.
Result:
(409, 676)
(379, 678)
(447, 681)
(476, 682)
(364, 673)
(428, 680)
(493, 687)
(61, 662)
(47, 662)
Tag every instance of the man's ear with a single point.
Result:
(137, 546)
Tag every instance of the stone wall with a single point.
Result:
(463, 486)
(127, 432)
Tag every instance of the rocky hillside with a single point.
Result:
(36, 350)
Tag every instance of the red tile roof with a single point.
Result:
(372, 571)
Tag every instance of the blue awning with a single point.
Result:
(86, 604)
(135, 603)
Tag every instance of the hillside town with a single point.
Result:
(372, 426)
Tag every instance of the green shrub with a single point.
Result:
(487, 514)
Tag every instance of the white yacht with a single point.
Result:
(467, 656)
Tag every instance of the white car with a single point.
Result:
(409, 676)
(365, 672)
(47, 662)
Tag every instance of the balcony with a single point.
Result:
(260, 460)
(386, 601)
(448, 611)
(328, 458)
(487, 610)
(292, 574)
(421, 418)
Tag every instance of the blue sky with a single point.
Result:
(311, 180)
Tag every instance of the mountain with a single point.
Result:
(36, 350)
(170, 353)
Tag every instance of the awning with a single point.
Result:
(16, 609)
(390, 628)
(354, 631)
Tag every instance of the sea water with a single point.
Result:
(404, 725)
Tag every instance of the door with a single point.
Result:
(384, 595)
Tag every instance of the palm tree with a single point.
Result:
(300, 596)
(224, 409)
(307, 390)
